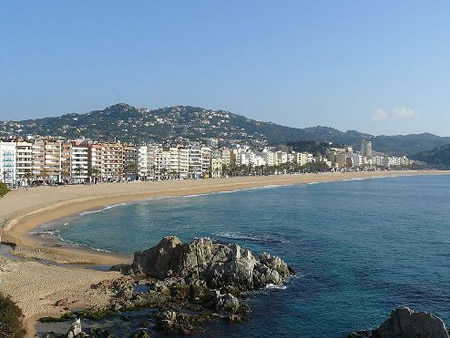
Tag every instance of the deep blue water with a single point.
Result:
(360, 248)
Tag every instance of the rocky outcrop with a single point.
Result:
(405, 323)
(172, 322)
(217, 264)
(189, 283)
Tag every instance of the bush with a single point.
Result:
(3, 189)
(11, 315)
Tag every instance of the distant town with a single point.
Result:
(46, 160)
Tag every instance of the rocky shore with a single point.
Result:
(189, 284)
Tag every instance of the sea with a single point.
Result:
(359, 248)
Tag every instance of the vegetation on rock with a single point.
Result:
(11, 316)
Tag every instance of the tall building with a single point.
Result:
(143, 163)
(366, 148)
(8, 162)
(112, 162)
(195, 162)
(79, 163)
(24, 163)
(130, 162)
(95, 162)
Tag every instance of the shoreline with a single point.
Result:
(17, 230)
(38, 288)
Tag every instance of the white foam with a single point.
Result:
(278, 287)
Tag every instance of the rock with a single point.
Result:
(216, 264)
(172, 322)
(158, 261)
(141, 334)
(406, 323)
(226, 302)
(75, 329)
(50, 335)
(165, 321)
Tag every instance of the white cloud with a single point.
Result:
(404, 113)
(380, 114)
(398, 113)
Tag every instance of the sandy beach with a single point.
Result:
(37, 287)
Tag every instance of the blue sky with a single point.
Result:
(376, 66)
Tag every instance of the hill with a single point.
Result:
(174, 124)
(439, 157)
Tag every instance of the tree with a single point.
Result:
(3, 189)
(29, 177)
(10, 319)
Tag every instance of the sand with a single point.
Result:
(36, 287)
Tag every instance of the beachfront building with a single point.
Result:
(206, 161)
(38, 159)
(216, 168)
(183, 162)
(143, 163)
(52, 170)
(112, 162)
(195, 162)
(79, 163)
(226, 157)
(366, 148)
(358, 160)
(282, 157)
(95, 162)
(24, 163)
(270, 158)
(301, 159)
(8, 163)
(130, 162)
(52, 160)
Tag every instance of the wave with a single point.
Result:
(62, 239)
(252, 237)
(53, 232)
(95, 211)
(278, 287)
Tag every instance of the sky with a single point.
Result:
(381, 67)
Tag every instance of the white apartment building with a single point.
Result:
(183, 162)
(130, 162)
(270, 158)
(8, 162)
(301, 158)
(95, 162)
(143, 172)
(358, 160)
(206, 161)
(226, 156)
(281, 157)
(174, 161)
(79, 164)
(216, 167)
(24, 163)
(195, 162)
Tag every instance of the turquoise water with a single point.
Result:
(360, 248)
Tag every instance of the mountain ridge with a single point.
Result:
(127, 123)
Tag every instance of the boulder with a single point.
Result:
(75, 329)
(171, 322)
(226, 302)
(216, 264)
(405, 323)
